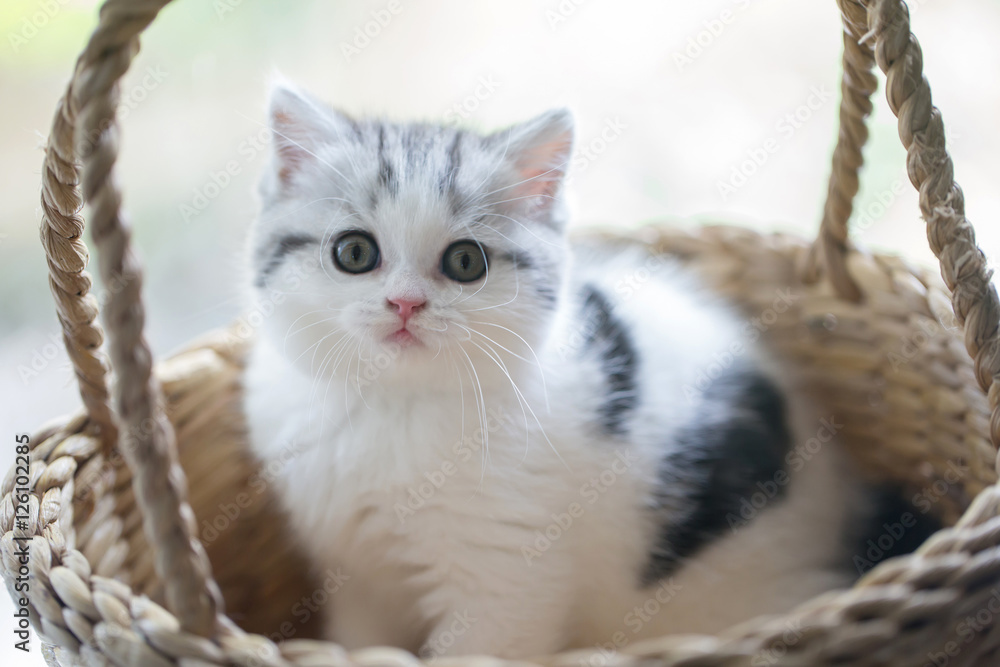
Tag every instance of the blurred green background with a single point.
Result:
(683, 93)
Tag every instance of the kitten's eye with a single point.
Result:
(464, 261)
(355, 252)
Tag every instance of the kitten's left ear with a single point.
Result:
(540, 150)
(301, 126)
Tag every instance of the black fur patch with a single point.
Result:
(893, 527)
(282, 248)
(608, 337)
(737, 437)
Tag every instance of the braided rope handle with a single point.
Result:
(931, 171)
(66, 253)
(857, 84)
(87, 112)
(85, 129)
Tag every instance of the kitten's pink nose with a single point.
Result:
(406, 307)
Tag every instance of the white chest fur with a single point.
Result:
(421, 498)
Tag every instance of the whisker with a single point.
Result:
(556, 168)
(316, 345)
(480, 333)
(507, 201)
(497, 231)
(297, 145)
(361, 392)
(517, 391)
(481, 406)
(291, 333)
(538, 362)
(526, 228)
(496, 163)
(517, 291)
(517, 394)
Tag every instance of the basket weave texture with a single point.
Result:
(120, 500)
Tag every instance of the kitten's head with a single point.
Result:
(396, 252)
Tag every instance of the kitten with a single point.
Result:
(508, 443)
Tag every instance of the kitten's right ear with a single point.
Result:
(540, 151)
(300, 125)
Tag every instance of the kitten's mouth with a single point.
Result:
(403, 338)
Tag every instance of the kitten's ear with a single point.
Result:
(301, 125)
(540, 150)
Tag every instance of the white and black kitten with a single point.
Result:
(508, 443)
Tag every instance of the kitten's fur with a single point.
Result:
(623, 435)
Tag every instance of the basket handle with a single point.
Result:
(76, 308)
(930, 169)
(857, 84)
(85, 129)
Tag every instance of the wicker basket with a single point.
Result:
(113, 547)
